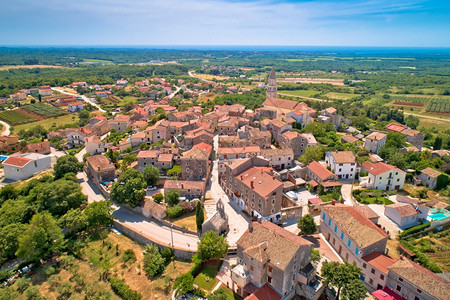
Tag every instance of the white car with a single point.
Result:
(151, 188)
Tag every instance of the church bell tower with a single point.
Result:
(272, 85)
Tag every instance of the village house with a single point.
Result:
(413, 137)
(368, 213)
(429, 177)
(45, 91)
(352, 235)
(275, 264)
(279, 159)
(18, 97)
(227, 154)
(329, 115)
(9, 143)
(194, 164)
(405, 215)
(138, 138)
(94, 145)
(99, 168)
(24, 166)
(374, 141)
(409, 280)
(120, 123)
(276, 128)
(197, 136)
(342, 163)
(319, 175)
(75, 107)
(183, 116)
(236, 110)
(375, 270)
(252, 185)
(188, 189)
(159, 131)
(77, 137)
(382, 176)
(348, 138)
(147, 157)
(298, 142)
(42, 147)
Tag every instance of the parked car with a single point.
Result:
(151, 188)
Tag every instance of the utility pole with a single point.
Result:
(173, 253)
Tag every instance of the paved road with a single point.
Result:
(427, 117)
(346, 192)
(192, 74)
(86, 99)
(7, 130)
(157, 232)
(237, 223)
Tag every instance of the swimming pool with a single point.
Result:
(438, 216)
(3, 157)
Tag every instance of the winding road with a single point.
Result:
(7, 130)
(85, 99)
(426, 117)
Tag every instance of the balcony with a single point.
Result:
(313, 289)
(306, 273)
(239, 275)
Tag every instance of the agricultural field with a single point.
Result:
(211, 77)
(340, 96)
(44, 110)
(410, 99)
(437, 247)
(48, 123)
(206, 97)
(16, 116)
(440, 106)
(302, 93)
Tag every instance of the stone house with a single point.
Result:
(188, 189)
(194, 164)
(429, 177)
(374, 141)
(100, 169)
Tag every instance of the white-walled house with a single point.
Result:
(342, 163)
(75, 106)
(382, 176)
(405, 215)
(374, 141)
(94, 145)
(26, 165)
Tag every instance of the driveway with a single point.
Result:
(384, 221)
(346, 192)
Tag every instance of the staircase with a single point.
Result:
(210, 207)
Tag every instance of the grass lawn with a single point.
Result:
(303, 93)
(229, 293)
(327, 198)
(341, 96)
(186, 221)
(371, 200)
(206, 279)
(47, 123)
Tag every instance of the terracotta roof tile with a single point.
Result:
(379, 260)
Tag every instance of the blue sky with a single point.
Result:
(226, 22)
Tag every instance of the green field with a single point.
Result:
(303, 93)
(66, 119)
(15, 117)
(45, 110)
(340, 96)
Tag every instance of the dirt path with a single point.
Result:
(6, 128)
(427, 117)
(303, 97)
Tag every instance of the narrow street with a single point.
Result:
(86, 99)
(237, 223)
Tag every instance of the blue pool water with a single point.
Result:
(3, 157)
(438, 216)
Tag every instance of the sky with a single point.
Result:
(383, 23)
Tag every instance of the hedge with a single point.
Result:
(414, 229)
(174, 212)
(123, 290)
(421, 258)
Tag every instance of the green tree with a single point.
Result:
(172, 197)
(437, 143)
(199, 216)
(42, 237)
(345, 277)
(154, 262)
(212, 245)
(129, 188)
(66, 164)
(8, 192)
(32, 293)
(158, 198)
(99, 214)
(306, 224)
(219, 294)
(74, 220)
(183, 284)
(151, 174)
(315, 255)
(313, 153)
(8, 239)
(59, 196)
(112, 155)
(412, 121)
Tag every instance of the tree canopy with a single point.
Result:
(129, 188)
(345, 277)
(151, 174)
(212, 245)
(306, 224)
(66, 164)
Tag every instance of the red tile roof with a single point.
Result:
(395, 127)
(258, 180)
(204, 147)
(148, 154)
(322, 172)
(379, 260)
(266, 292)
(379, 168)
(17, 161)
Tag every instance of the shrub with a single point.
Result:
(123, 290)
(421, 258)
(174, 212)
(22, 284)
(167, 253)
(158, 198)
(184, 284)
(414, 229)
(188, 206)
(129, 256)
(154, 262)
(32, 293)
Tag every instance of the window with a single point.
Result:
(349, 243)
(270, 269)
(419, 291)
(400, 279)
(323, 216)
(372, 271)
(342, 235)
(416, 298)
(381, 276)
(295, 257)
(295, 267)
(269, 279)
(370, 281)
(334, 241)
(329, 222)
(251, 268)
(335, 228)
(356, 251)
(398, 288)
(364, 265)
(264, 266)
(293, 277)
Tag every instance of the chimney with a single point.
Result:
(250, 227)
(98, 168)
(242, 177)
(182, 186)
(333, 202)
(252, 184)
(387, 251)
